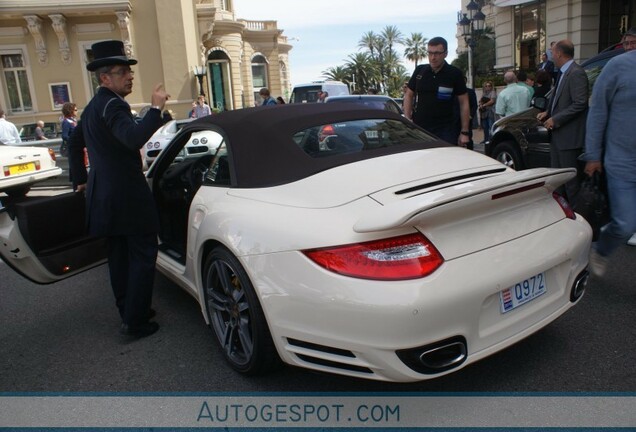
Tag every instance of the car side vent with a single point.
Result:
(321, 348)
(333, 364)
(450, 180)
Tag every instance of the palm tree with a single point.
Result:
(415, 47)
(362, 67)
(338, 73)
(369, 41)
(399, 76)
(391, 36)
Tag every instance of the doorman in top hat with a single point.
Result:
(119, 202)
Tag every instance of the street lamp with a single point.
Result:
(200, 72)
(472, 25)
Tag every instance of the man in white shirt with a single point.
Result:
(8, 132)
(201, 109)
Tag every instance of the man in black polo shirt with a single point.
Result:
(435, 85)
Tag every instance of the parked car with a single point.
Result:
(520, 141)
(22, 166)
(161, 138)
(376, 251)
(51, 130)
(369, 101)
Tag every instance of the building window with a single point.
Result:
(259, 74)
(529, 35)
(220, 81)
(16, 83)
(93, 84)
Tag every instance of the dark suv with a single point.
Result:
(520, 141)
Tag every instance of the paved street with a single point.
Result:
(63, 338)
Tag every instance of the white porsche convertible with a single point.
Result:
(342, 240)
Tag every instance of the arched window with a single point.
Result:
(259, 74)
(220, 81)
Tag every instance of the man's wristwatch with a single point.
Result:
(467, 133)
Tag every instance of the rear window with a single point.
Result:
(385, 104)
(358, 136)
(595, 65)
(305, 94)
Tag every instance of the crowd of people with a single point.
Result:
(598, 138)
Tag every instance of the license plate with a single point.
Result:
(522, 292)
(21, 168)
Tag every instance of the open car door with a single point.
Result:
(44, 238)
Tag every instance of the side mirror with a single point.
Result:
(540, 103)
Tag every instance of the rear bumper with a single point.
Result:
(355, 327)
(28, 178)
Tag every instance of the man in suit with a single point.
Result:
(566, 114)
(119, 203)
(546, 65)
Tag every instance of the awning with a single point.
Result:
(504, 3)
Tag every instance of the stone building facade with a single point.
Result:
(524, 28)
(45, 45)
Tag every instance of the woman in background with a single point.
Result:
(543, 83)
(487, 108)
(69, 123)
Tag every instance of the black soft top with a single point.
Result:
(260, 141)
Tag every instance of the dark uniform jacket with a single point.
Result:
(118, 199)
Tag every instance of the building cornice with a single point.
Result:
(17, 9)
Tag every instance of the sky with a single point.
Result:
(324, 33)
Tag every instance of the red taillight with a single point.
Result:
(326, 131)
(406, 257)
(52, 154)
(565, 206)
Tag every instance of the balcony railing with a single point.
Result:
(260, 25)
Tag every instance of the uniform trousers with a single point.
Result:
(131, 263)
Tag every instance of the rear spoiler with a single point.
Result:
(509, 183)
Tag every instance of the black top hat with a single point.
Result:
(109, 53)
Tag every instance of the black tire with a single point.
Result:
(235, 315)
(508, 154)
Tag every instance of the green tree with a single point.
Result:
(369, 41)
(415, 48)
(361, 68)
(483, 56)
(337, 73)
(379, 64)
(400, 76)
(391, 36)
